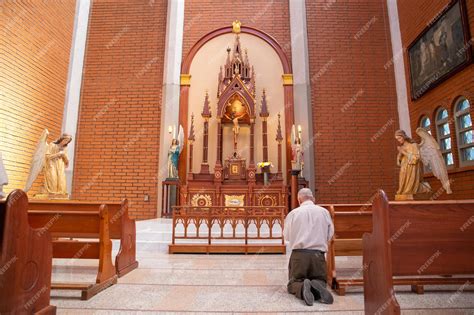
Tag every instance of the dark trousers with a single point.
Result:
(305, 264)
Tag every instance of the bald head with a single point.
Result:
(305, 194)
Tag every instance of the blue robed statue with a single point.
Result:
(174, 152)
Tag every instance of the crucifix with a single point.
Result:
(236, 128)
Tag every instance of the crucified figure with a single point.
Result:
(236, 128)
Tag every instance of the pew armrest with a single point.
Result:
(126, 261)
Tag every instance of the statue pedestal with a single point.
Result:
(422, 196)
(47, 196)
(169, 196)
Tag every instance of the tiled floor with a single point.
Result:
(223, 284)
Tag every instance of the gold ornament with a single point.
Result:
(266, 200)
(234, 200)
(201, 200)
(236, 26)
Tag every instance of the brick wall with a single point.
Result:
(119, 126)
(354, 99)
(414, 17)
(35, 44)
(204, 16)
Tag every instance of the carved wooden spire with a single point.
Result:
(219, 82)
(191, 130)
(279, 136)
(253, 87)
(237, 65)
(264, 110)
(206, 111)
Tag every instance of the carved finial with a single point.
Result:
(279, 136)
(264, 109)
(237, 48)
(236, 26)
(219, 82)
(252, 82)
(227, 62)
(191, 130)
(206, 111)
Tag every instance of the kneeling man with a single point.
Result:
(308, 229)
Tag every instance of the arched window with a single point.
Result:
(425, 123)
(464, 132)
(444, 135)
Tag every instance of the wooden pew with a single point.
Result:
(91, 234)
(25, 260)
(416, 239)
(351, 221)
(121, 226)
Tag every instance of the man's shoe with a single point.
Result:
(306, 292)
(320, 292)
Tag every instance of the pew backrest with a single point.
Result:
(413, 239)
(118, 211)
(435, 235)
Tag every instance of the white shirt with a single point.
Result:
(308, 227)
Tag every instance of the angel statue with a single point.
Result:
(52, 159)
(411, 157)
(174, 152)
(3, 177)
(297, 161)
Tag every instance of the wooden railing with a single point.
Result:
(204, 229)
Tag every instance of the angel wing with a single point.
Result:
(181, 138)
(3, 174)
(432, 157)
(37, 162)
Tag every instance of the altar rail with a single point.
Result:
(221, 229)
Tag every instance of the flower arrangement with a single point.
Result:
(264, 164)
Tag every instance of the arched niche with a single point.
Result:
(209, 53)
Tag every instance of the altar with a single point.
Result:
(236, 179)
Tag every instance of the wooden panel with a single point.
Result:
(352, 224)
(76, 249)
(348, 247)
(25, 258)
(89, 206)
(432, 237)
(66, 223)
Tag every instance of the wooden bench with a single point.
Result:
(25, 260)
(80, 235)
(351, 221)
(421, 239)
(121, 226)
